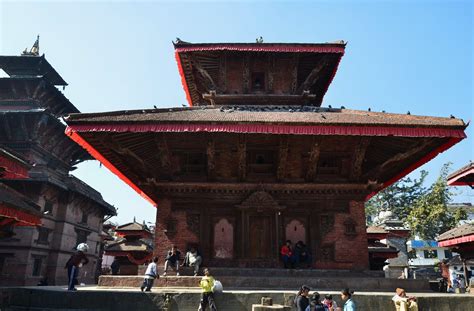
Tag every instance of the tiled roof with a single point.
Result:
(128, 246)
(464, 230)
(132, 226)
(302, 115)
(375, 229)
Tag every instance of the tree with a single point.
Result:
(397, 198)
(429, 215)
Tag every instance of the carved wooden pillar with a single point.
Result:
(211, 163)
(242, 158)
(246, 74)
(313, 161)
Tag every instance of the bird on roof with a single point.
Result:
(329, 106)
(259, 40)
(452, 117)
(184, 105)
(369, 109)
(154, 106)
(408, 113)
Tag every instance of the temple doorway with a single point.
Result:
(260, 238)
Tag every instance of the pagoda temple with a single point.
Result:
(255, 160)
(36, 188)
(132, 247)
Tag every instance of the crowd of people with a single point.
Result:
(306, 302)
(298, 256)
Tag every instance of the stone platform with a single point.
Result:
(238, 278)
(174, 299)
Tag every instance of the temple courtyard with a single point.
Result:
(95, 298)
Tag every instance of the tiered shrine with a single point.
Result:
(255, 160)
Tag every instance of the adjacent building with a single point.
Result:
(69, 211)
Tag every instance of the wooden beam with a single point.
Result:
(313, 160)
(211, 162)
(358, 157)
(164, 155)
(38, 88)
(282, 158)
(270, 72)
(242, 157)
(27, 89)
(223, 73)
(24, 128)
(294, 74)
(203, 76)
(246, 73)
(6, 127)
(313, 76)
(379, 169)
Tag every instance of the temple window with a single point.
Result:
(81, 236)
(350, 227)
(84, 217)
(261, 162)
(48, 207)
(37, 263)
(295, 231)
(258, 81)
(194, 162)
(430, 254)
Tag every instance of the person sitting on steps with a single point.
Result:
(172, 258)
(192, 259)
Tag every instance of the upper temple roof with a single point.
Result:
(247, 73)
(30, 66)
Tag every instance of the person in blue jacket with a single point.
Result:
(346, 296)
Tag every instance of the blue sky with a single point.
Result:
(402, 56)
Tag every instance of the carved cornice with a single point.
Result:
(260, 201)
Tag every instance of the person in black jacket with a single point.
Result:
(301, 300)
(74, 263)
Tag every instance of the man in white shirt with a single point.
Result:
(150, 275)
(193, 259)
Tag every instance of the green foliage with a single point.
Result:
(429, 215)
(424, 209)
(397, 198)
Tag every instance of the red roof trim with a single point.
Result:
(93, 152)
(454, 140)
(272, 129)
(183, 79)
(13, 170)
(23, 219)
(282, 48)
(452, 242)
(453, 181)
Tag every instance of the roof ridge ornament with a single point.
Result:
(34, 51)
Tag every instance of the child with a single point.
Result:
(207, 298)
(150, 275)
(328, 302)
(318, 305)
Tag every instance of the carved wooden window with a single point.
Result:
(84, 217)
(261, 162)
(81, 236)
(194, 163)
(258, 81)
(223, 239)
(329, 165)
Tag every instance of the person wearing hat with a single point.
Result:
(74, 263)
(403, 302)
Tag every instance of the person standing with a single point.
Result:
(115, 266)
(150, 275)
(318, 305)
(172, 258)
(74, 263)
(404, 303)
(329, 302)
(346, 296)
(207, 298)
(302, 300)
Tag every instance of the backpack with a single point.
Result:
(320, 307)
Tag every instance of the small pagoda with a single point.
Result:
(255, 160)
(132, 247)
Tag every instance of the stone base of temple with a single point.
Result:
(171, 299)
(288, 279)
